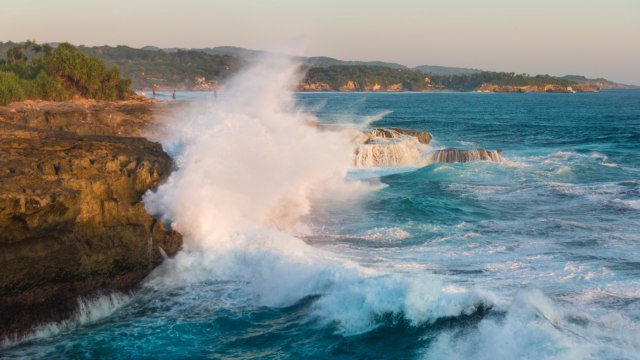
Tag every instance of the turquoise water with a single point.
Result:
(537, 257)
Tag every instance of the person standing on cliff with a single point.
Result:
(173, 96)
(153, 88)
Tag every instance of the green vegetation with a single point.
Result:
(470, 82)
(178, 68)
(445, 70)
(38, 71)
(365, 76)
(33, 71)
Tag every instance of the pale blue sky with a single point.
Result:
(597, 38)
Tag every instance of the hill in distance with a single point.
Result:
(445, 70)
(207, 68)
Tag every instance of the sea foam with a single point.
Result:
(250, 167)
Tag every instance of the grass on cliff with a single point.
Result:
(33, 71)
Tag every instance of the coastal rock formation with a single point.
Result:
(350, 86)
(395, 147)
(83, 117)
(462, 156)
(382, 147)
(423, 137)
(71, 218)
(314, 86)
(549, 88)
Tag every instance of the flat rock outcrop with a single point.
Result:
(390, 147)
(71, 218)
(548, 88)
(423, 137)
(462, 156)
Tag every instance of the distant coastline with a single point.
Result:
(207, 70)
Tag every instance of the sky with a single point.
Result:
(595, 38)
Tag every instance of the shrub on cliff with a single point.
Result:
(11, 88)
(32, 71)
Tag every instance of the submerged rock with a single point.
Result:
(71, 218)
(462, 156)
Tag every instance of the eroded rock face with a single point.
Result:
(424, 137)
(71, 218)
(462, 156)
(549, 88)
(350, 86)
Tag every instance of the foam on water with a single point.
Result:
(89, 309)
(250, 167)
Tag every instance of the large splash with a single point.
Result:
(249, 159)
(250, 167)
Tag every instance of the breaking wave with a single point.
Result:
(251, 168)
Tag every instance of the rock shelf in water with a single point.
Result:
(462, 156)
(395, 147)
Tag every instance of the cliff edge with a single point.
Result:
(72, 176)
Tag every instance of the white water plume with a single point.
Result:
(250, 158)
(250, 166)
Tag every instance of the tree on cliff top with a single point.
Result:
(34, 71)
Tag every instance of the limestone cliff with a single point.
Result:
(71, 218)
(549, 88)
(349, 86)
(314, 86)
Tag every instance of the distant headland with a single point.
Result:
(206, 70)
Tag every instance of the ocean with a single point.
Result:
(293, 253)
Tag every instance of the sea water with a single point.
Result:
(536, 257)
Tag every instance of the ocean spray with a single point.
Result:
(250, 167)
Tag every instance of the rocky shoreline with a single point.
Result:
(352, 86)
(72, 224)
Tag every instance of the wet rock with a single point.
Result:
(71, 218)
(462, 156)
(423, 137)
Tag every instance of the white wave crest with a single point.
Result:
(89, 309)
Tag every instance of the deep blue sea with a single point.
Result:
(537, 257)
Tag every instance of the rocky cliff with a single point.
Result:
(72, 176)
(349, 86)
(549, 88)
